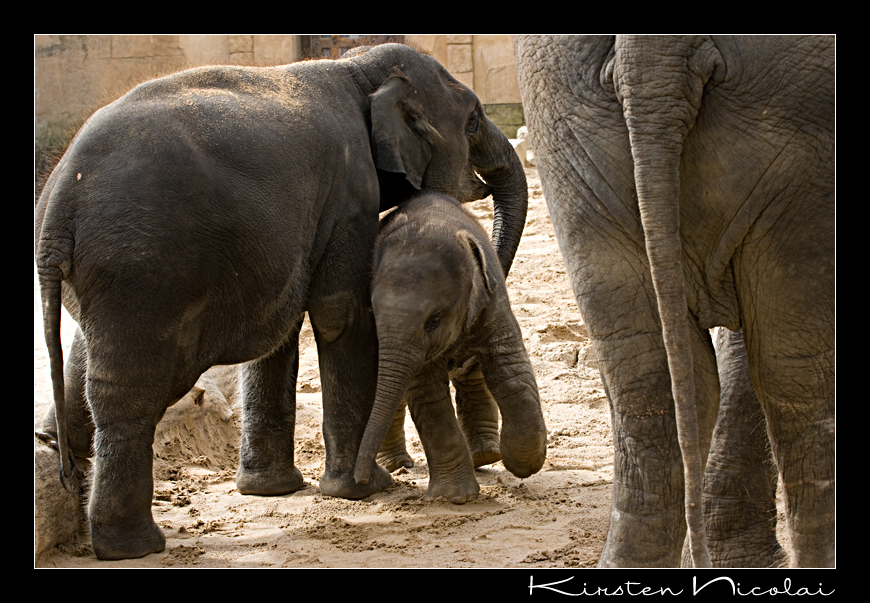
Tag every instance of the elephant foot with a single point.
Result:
(125, 543)
(456, 491)
(343, 485)
(269, 482)
(395, 460)
(743, 556)
(485, 452)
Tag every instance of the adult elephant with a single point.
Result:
(690, 182)
(193, 221)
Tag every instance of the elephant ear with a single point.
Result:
(401, 136)
(483, 281)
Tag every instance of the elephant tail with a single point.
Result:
(53, 263)
(658, 124)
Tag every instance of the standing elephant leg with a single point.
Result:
(741, 476)
(789, 341)
(80, 426)
(393, 453)
(348, 351)
(477, 413)
(126, 411)
(347, 347)
(122, 526)
(451, 473)
(266, 465)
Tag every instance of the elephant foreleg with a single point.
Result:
(451, 473)
(510, 380)
(266, 465)
(348, 355)
(347, 344)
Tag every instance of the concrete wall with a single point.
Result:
(484, 63)
(74, 75)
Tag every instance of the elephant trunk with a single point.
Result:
(511, 382)
(495, 159)
(658, 119)
(397, 366)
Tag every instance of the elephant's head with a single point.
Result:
(436, 286)
(431, 280)
(429, 132)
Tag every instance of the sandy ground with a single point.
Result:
(556, 518)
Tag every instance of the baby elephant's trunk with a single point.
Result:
(396, 369)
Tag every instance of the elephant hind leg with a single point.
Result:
(803, 440)
(393, 455)
(786, 287)
(478, 415)
(741, 477)
(119, 509)
(266, 464)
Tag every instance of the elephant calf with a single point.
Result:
(441, 308)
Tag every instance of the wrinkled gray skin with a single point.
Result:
(441, 307)
(740, 477)
(193, 222)
(690, 183)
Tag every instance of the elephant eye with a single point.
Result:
(433, 322)
(473, 122)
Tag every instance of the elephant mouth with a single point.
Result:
(477, 188)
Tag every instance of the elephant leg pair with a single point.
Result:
(647, 456)
(124, 444)
(123, 527)
(346, 345)
(476, 412)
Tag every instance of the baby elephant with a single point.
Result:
(441, 308)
